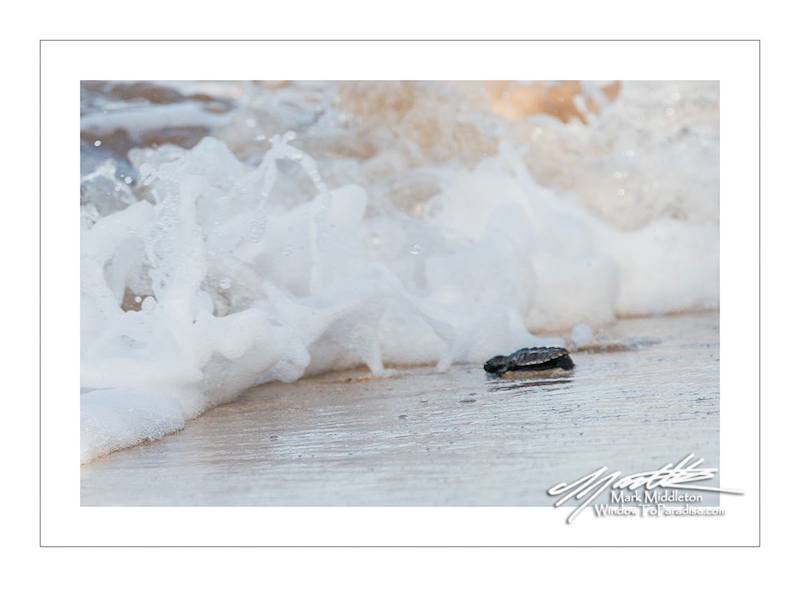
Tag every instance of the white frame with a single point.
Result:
(64, 63)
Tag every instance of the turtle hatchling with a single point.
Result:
(530, 359)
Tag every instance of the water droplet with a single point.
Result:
(98, 143)
(148, 304)
(128, 179)
(138, 299)
(621, 192)
(290, 136)
(415, 249)
(225, 283)
(261, 137)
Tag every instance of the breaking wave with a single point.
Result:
(235, 234)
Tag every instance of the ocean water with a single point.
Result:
(234, 234)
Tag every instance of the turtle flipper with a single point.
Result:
(565, 362)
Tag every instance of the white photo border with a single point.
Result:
(64, 63)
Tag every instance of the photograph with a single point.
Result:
(427, 304)
(401, 293)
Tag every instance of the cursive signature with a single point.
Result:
(670, 476)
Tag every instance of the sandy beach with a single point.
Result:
(647, 397)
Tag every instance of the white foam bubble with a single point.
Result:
(581, 334)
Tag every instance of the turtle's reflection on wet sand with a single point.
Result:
(512, 384)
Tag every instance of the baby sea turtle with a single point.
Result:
(530, 359)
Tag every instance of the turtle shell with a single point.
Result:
(534, 357)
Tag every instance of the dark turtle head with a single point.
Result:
(497, 364)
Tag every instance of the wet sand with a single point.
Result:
(427, 438)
